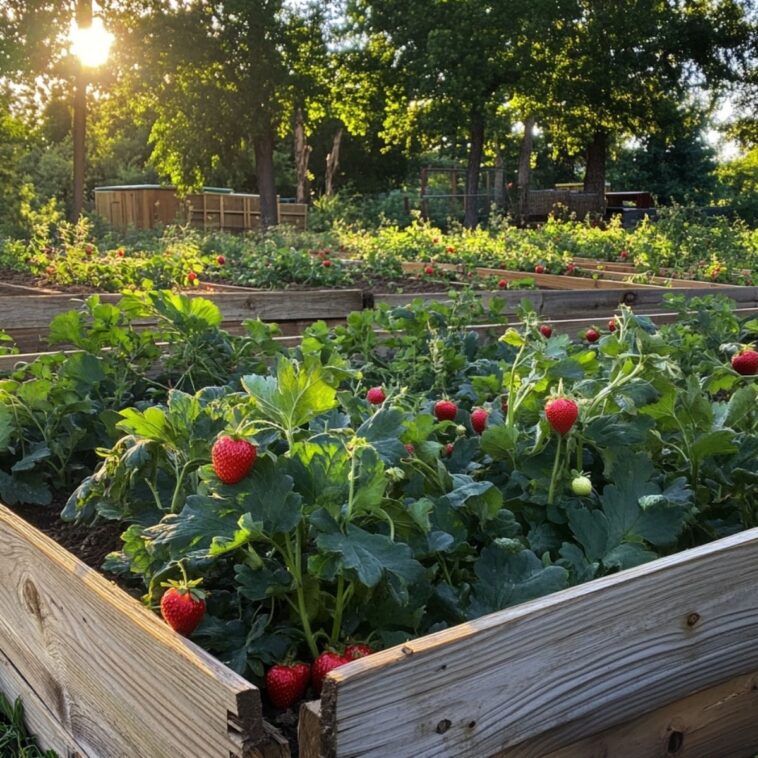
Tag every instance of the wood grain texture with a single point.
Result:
(565, 666)
(111, 673)
(38, 718)
(663, 281)
(309, 730)
(718, 721)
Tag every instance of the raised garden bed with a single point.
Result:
(599, 669)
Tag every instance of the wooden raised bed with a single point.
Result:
(295, 311)
(657, 660)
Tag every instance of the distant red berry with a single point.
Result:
(409, 448)
(624, 254)
(504, 405)
(120, 252)
(326, 263)
(87, 249)
(546, 330)
(570, 268)
(325, 663)
(191, 276)
(429, 270)
(592, 335)
(356, 651)
(435, 240)
(612, 325)
(479, 420)
(449, 449)
(503, 284)
(375, 396)
(445, 410)
(220, 260)
(746, 362)
(450, 249)
(285, 685)
(561, 413)
(539, 269)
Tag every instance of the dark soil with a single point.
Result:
(88, 543)
(27, 279)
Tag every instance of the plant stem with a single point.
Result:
(338, 608)
(294, 561)
(556, 468)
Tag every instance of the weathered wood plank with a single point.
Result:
(38, 717)
(309, 730)
(571, 664)
(113, 675)
(718, 721)
(663, 281)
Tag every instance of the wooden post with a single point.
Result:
(424, 186)
(525, 168)
(332, 163)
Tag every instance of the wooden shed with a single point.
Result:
(145, 206)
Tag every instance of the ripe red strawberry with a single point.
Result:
(612, 325)
(120, 252)
(561, 413)
(326, 263)
(539, 269)
(504, 405)
(546, 330)
(479, 420)
(375, 396)
(409, 448)
(356, 651)
(325, 663)
(503, 284)
(285, 685)
(746, 362)
(449, 449)
(445, 410)
(232, 459)
(623, 255)
(450, 249)
(183, 605)
(570, 268)
(592, 335)
(191, 276)
(87, 249)
(220, 260)
(429, 270)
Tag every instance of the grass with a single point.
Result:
(15, 740)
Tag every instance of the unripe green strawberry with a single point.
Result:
(232, 459)
(581, 485)
(561, 413)
(445, 410)
(285, 685)
(183, 606)
(746, 362)
(375, 396)
(479, 420)
(325, 663)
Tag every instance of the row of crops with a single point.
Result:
(320, 502)
(681, 245)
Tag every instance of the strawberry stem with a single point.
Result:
(556, 469)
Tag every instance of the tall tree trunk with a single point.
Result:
(594, 177)
(332, 163)
(498, 192)
(473, 170)
(525, 167)
(302, 156)
(264, 168)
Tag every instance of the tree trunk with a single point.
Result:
(498, 192)
(594, 177)
(525, 168)
(264, 168)
(332, 163)
(302, 156)
(473, 170)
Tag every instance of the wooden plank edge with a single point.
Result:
(309, 730)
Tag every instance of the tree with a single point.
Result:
(454, 59)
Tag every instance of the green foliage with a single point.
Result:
(15, 740)
(739, 180)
